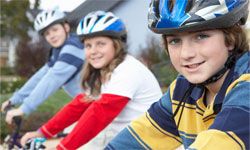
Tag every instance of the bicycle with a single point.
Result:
(12, 141)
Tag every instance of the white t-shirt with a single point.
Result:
(134, 80)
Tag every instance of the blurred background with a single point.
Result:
(23, 51)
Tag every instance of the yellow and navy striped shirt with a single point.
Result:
(222, 125)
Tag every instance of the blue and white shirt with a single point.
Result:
(61, 70)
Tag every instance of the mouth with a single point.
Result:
(54, 41)
(193, 66)
(96, 58)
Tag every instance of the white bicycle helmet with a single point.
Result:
(47, 18)
(101, 23)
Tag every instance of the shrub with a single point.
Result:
(6, 71)
(155, 58)
(11, 85)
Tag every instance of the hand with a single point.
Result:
(30, 135)
(4, 105)
(12, 113)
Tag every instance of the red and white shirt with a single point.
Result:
(130, 91)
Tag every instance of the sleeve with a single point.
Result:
(93, 120)
(27, 88)
(230, 129)
(51, 82)
(156, 129)
(68, 63)
(65, 117)
(66, 66)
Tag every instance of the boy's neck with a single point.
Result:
(213, 88)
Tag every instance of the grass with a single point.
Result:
(40, 116)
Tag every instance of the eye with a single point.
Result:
(54, 29)
(201, 36)
(173, 41)
(87, 46)
(46, 33)
(101, 44)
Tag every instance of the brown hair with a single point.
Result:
(92, 78)
(235, 34)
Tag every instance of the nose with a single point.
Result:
(49, 35)
(187, 50)
(92, 50)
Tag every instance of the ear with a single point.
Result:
(230, 48)
(66, 27)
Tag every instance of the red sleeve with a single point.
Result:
(65, 117)
(93, 120)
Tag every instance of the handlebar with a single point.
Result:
(35, 144)
(17, 119)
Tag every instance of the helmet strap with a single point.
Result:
(228, 65)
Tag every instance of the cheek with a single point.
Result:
(175, 60)
(87, 54)
(174, 56)
(46, 37)
(110, 51)
(63, 35)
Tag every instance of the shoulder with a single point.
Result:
(72, 47)
(242, 65)
(132, 69)
(130, 65)
(74, 40)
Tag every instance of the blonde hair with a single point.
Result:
(92, 78)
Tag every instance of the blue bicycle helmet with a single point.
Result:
(193, 15)
(100, 23)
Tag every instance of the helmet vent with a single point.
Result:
(88, 20)
(52, 13)
(47, 18)
(41, 19)
(109, 18)
(46, 15)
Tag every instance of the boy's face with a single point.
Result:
(99, 51)
(55, 35)
(198, 55)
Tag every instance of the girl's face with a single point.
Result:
(56, 34)
(99, 51)
(198, 55)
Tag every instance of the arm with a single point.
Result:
(154, 130)
(51, 82)
(65, 117)
(230, 129)
(65, 67)
(27, 88)
(93, 120)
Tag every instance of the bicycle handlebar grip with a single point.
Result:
(17, 120)
(35, 144)
(7, 108)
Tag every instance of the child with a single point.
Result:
(61, 70)
(207, 106)
(118, 88)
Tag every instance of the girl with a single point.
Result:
(207, 106)
(61, 70)
(118, 88)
